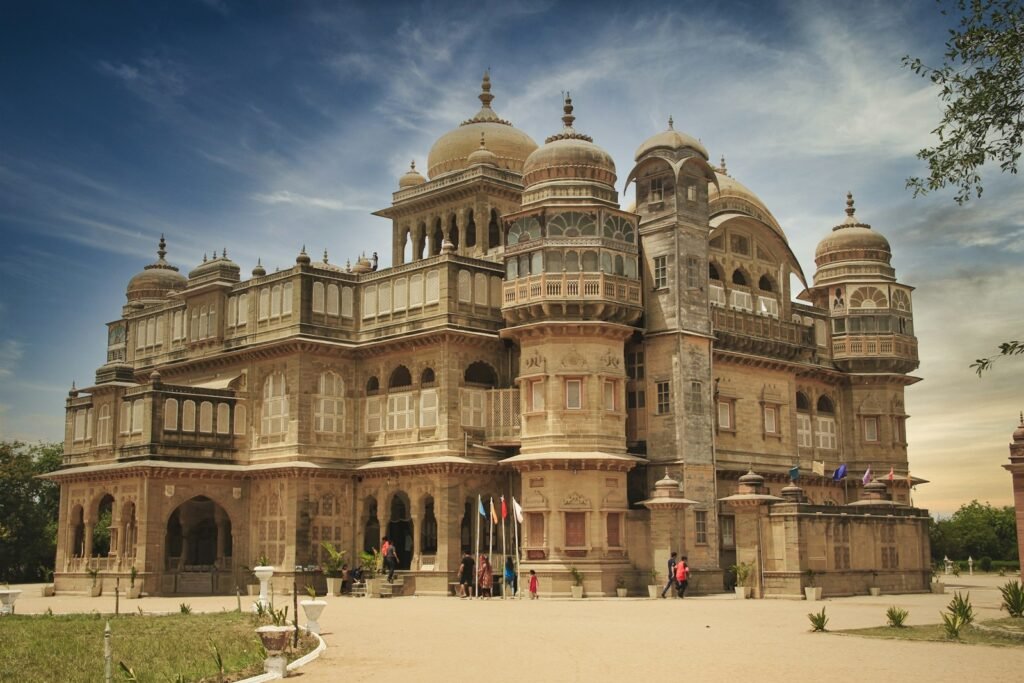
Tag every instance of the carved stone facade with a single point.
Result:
(531, 339)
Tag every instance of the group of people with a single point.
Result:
(678, 575)
(484, 577)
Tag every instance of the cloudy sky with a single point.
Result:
(263, 126)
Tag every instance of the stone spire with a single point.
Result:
(568, 132)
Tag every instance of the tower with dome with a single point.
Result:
(641, 380)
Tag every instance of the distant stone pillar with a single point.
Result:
(668, 522)
(1016, 469)
(750, 506)
(417, 537)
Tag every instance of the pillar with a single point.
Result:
(87, 539)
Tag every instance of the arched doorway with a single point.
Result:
(101, 531)
(371, 529)
(400, 530)
(198, 547)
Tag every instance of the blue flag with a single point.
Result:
(839, 473)
(480, 505)
(794, 473)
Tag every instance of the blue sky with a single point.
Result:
(263, 126)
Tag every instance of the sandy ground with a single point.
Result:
(711, 638)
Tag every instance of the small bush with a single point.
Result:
(185, 608)
(985, 564)
(953, 624)
(961, 607)
(1013, 598)
(896, 616)
(1002, 571)
(818, 620)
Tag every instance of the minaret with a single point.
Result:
(1016, 468)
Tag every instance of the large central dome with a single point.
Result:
(510, 145)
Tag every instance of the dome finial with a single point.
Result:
(567, 117)
(412, 165)
(725, 171)
(483, 145)
(325, 255)
(849, 205)
(485, 90)
(671, 123)
(224, 253)
(162, 248)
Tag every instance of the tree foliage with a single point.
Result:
(28, 510)
(981, 86)
(1010, 348)
(976, 530)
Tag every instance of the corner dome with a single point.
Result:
(156, 280)
(852, 240)
(217, 265)
(731, 195)
(411, 178)
(569, 155)
(671, 140)
(451, 151)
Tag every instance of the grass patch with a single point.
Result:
(70, 647)
(985, 635)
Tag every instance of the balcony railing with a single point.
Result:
(574, 286)
(876, 345)
(762, 327)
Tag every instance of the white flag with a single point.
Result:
(517, 509)
(818, 467)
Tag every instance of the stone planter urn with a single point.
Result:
(7, 598)
(96, 589)
(135, 591)
(577, 592)
(275, 641)
(373, 588)
(313, 610)
(812, 592)
(743, 592)
(263, 574)
(334, 585)
(938, 587)
(875, 590)
(621, 592)
(652, 591)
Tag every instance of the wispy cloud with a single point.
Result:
(153, 79)
(11, 351)
(301, 200)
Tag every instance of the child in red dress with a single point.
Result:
(533, 585)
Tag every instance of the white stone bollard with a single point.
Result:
(263, 573)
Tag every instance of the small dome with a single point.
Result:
(303, 258)
(724, 198)
(483, 156)
(751, 478)
(451, 151)
(363, 265)
(852, 240)
(672, 140)
(259, 270)
(411, 178)
(569, 155)
(157, 280)
(216, 265)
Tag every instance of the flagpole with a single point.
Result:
(476, 574)
(490, 534)
(504, 555)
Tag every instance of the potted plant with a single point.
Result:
(743, 572)
(577, 583)
(620, 586)
(332, 567)
(48, 589)
(811, 592)
(275, 637)
(371, 565)
(653, 586)
(313, 609)
(96, 588)
(134, 589)
(873, 589)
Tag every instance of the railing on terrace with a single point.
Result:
(586, 286)
(874, 345)
(761, 326)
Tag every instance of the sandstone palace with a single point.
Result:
(643, 380)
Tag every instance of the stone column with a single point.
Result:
(417, 537)
(397, 245)
(1016, 469)
(87, 538)
(750, 507)
(668, 523)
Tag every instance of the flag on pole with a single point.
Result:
(891, 474)
(494, 515)
(818, 467)
(480, 507)
(517, 509)
(504, 508)
(839, 473)
(866, 479)
(794, 473)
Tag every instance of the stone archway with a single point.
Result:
(400, 529)
(198, 547)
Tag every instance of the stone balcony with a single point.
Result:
(875, 352)
(587, 295)
(751, 333)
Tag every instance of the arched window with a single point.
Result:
(465, 287)
(170, 414)
(825, 405)
(480, 289)
(206, 417)
(372, 386)
(470, 231)
(453, 232)
(275, 301)
(436, 238)
(138, 411)
(428, 533)
(332, 299)
(825, 422)
(318, 297)
(286, 300)
(617, 227)
(275, 405)
(240, 419)
(572, 262)
(480, 372)
(900, 300)
(765, 284)
(738, 278)
(713, 272)
(400, 377)
(346, 302)
(802, 402)
(868, 297)
(243, 308)
(328, 406)
(493, 231)
(589, 263)
(204, 323)
(552, 261)
(223, 418)
(427, 377)
(572, 224)
(401, 294)
(523, 229)
(188, 416)
(264, 307)
(804, 438)
(620, 265)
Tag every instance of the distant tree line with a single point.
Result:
(28, 510)
(976, 530)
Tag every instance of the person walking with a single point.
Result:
(486, 577)
(682, 576)
(466, 576)
(391, 562)
(671, 583)
(533, 585)
(511, 582)
(385, 545)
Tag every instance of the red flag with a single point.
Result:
(504, 508)
(890, 474)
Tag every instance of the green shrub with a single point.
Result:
(961, 607)
(818, 620)
(1013, 598)
(953, 623)
(185, 608)
(985, 564)
(896, 616)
